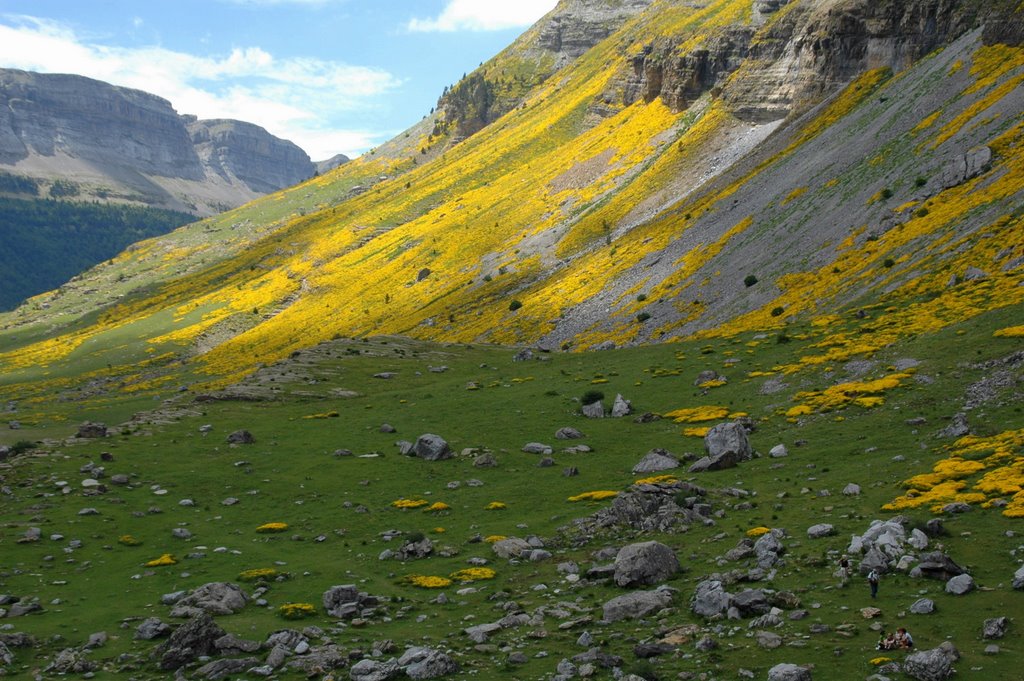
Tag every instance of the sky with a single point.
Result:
(332, 76)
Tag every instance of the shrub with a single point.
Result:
(749, 280)
(921, 181)
(921, 212)
(643, 317)
(886, 193)
(128, 540)
(591, 396)
(257, 575)
(776, 311)
(514, 305)
(428, 581)
(641, 298)
(782, 338)
(266, 528)
(642, 668)
(496, 506)
(296, 611)
(22, 446)
(165, 559)
(414, 537)
(889, 262)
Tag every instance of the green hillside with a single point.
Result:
(803, 218)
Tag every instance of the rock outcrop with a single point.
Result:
(119, 143)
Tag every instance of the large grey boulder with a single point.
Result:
(961, 168)
(937, 565)
(960, 585)
(769, 549)
(621, 407)
(511, 547)
(431, 447)
(654, 461)
(645, 564)
(194, 639)
(427, 663)
(594, 410)
(1018, 578)
(568, 433)
(820, 530)
(789, 672)
(223, 668)
(726, 446)
(931, 665)
(215, 598)
(710, 599)
(372, 670)
(346, 601)
(995, 627)
(637, 604)
(750, 602)
(923, 606)
(150, 628)
(91, 430)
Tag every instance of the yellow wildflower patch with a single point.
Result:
(696, 431)
(1010, 332)
(491, 539)
(657, 479)
(296, 611)
(128, 540)
(598, 495)
(436, 507)
(758, 531)
(165, 559)
(473, 574)
(257, 574)
(697, 414)
(409, 503)
(427, 581)
(266, 528)
(496, 506)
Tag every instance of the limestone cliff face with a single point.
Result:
(130, 145)
(249, 153)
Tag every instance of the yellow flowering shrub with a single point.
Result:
(270, 528)
(473, 574)
(427, 581)
(492, 538)
(1010, 332)
(696, 431)
(599, 495)
(409, 503)
(657, 479)
(436, 507)
(438, 530)
(758, 531)
(496, 506)
(128, 540)
(697, 414)
(257, 574)
(296, 611)
(165, 559)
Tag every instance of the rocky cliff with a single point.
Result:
(123, 144)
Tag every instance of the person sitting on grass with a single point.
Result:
(887, 642)
(904, 639)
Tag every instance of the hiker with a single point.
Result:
(887, 642)
(844, 571)
(873, 582)
(904, 639)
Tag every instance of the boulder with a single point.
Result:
(431, 447)
(536, 448)
(91, 430)
(222, 668)
(778, 451)
(372, 670)
(594, 410)
(346, 601)
(1018, 578)
(637, 604)
(960, 585)
(728, 437)
(621, 407)
(710, 599)
(71, 661)
(427, 663)
(511, 547)
(995, 627)
(215, 598)
(150, 628)
(645, 564)
(769, 548)
(768, 640)
(241, 437)
(568, 433)
(923, 606)
(789, 672)
(931, 665)
(654, 461)
(937, 565)
(190, 641)
(750, 602)
(852, 490)
(820, 530)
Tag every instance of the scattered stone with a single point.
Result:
(223, 668)
(789, 672)
(372, 670)
(931, 665)
(710, 599)
(958, 427)
(778, 451)
(511, 547)
(181, 533)
(645, 564)
(960, 585)
(431, 447)
(594, 410)
(347, 602)
(537, 448)
(568, 433)
(427, 663)
(190, 641)
(852, 490)
(214, 598)
(923, 606)
(1018, 578)
(726, 446)
(71, 661)
(387, 428)
(637, 604)
(97, 640)
(91, 430)
(485, 460)
(820, 530)
(768, 640)
(654, 461)
(241, 437)
(621, 407)
(995, 627)
(150, 628)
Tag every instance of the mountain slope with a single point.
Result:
(629, 198)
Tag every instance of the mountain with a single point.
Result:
(98, 141)
(762, 262)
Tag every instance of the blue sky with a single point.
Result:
(333, 76)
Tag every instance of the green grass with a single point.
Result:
(291, 475)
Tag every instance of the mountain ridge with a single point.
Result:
(116, 143)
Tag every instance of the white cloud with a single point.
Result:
(483, 15)
(293, 98)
